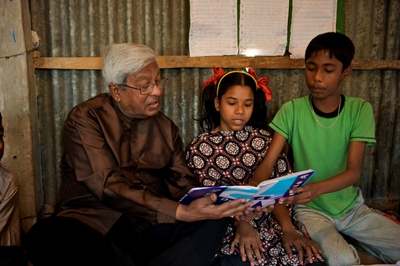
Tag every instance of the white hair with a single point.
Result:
(121, 60)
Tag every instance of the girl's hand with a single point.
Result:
(301, 243)
(251, 215)
(249, 242)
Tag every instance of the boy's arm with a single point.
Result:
(264, 170)
(347, 178)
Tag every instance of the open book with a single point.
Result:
(266, 193)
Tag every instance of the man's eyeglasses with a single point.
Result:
(148, 88)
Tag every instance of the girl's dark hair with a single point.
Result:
(210, 117)
(336, 44)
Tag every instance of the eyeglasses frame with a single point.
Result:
(151, 83)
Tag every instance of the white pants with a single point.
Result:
(374, 232)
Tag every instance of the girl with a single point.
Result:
(233, 145)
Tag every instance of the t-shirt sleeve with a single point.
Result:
(364, 128)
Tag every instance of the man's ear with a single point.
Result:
(216, 103)
(115, 92)
(346, 73)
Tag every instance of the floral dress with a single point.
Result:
(231, 158)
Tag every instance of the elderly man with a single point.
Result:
(10, 231)
(123, 172)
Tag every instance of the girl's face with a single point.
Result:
(235, 107)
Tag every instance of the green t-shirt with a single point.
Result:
(326, 149)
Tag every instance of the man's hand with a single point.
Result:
(205, 209)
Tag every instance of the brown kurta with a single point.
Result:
(113, 164)
(10, 231)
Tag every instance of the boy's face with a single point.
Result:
(1, 140)
(324, 75)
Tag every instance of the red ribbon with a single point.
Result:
(262, 83)
(218, 73)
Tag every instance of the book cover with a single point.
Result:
(266, 193)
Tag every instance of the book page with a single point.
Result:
(274, 189)
(266, 193)
(310, 18)
(263, 27)
(213, 27)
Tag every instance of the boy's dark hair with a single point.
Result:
(1, 118)
(337, 45)
(210, 117)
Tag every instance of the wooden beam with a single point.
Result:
(78, 63)
(270, 62)
(259, 62)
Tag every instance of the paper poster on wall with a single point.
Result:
(213, 28)
(260, 25)
(310, 18)
(263, 27)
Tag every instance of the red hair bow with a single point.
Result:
(262, 83)
(218, 73)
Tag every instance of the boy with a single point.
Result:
(328, 132)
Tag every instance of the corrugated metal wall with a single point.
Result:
(83, 28)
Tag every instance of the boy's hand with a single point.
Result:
(301, 195)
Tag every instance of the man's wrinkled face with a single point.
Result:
(131, 102)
